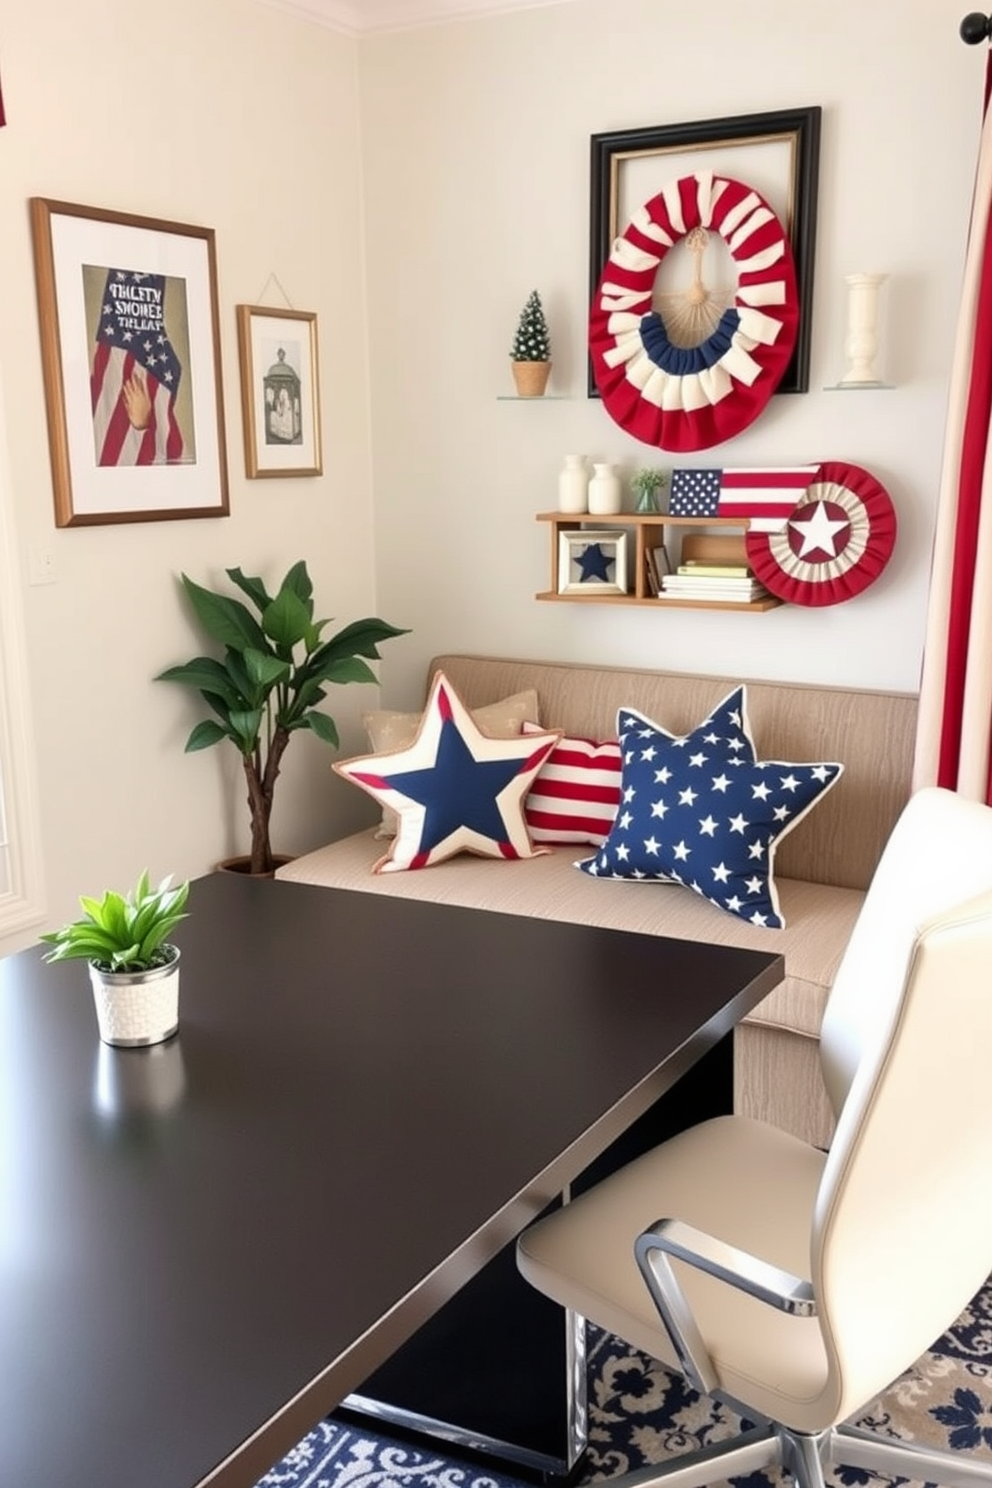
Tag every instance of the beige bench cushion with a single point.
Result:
(820, 918)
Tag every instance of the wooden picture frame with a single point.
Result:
(130, 348)
(280, 391)
(571, 548)
(777, 153)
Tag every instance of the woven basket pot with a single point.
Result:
(531, 378)
(137, 1007)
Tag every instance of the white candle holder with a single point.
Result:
(861, 342)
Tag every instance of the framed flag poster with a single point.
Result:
(130, 349)
(280, 391)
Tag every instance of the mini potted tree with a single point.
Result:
(134, 968)
(272, 675)
(531, 350)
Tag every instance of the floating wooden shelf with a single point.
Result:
(710, 539)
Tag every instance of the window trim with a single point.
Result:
(23, 904)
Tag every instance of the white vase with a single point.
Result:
(573, 484)
(605, 493)
(861, 343)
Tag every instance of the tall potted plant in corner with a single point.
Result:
(270, 679)
(530, 354)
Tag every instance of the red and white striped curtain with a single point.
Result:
(954, 732)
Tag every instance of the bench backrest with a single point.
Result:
(871, 733)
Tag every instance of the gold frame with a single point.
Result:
(266, 457)
(73, 247)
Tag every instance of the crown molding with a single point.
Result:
(362, 17)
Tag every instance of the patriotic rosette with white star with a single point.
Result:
(836, 542)
(691, 398)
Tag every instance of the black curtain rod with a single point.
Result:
(975, 28)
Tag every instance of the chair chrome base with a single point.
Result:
(804, 1458)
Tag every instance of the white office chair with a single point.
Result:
(795, 1284)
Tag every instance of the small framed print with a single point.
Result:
(592, 561)
(280, 391)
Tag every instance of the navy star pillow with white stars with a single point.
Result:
(702, 810)
(454, 789)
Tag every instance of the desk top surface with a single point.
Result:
(205, 1245)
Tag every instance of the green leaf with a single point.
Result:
(323, 727)
(205, 734)
(110, 914)
(287, 619)
(155, 936)
(126, 956)
(245, 726)
(237, 669)
(298, 582)
(207, 675)
(348, 669)
(308, 693)
(253, 587)
(362, 637)
(265, 670)
(227, 620)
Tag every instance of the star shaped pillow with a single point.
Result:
(454, 789)
(702, 810)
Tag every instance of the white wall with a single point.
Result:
(241, 118)
(465, 146)
(476, 147)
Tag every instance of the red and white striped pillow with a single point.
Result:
(575, 795)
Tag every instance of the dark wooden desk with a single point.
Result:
(205, 1246)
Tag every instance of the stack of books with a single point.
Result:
(727, 582)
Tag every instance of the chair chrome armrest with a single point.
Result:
(749, 1273)
(738, 1268)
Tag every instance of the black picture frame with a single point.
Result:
(715, 140)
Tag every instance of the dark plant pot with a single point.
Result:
(242, 864)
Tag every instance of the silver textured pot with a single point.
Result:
(137, 1007)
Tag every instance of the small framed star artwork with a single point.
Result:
(592, 561)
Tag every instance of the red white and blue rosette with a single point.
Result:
(678, 398)
(836, 542)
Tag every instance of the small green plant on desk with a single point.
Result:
(133, 966)
(123, 932)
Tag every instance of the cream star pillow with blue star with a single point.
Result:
(454, 789)
(702, 810)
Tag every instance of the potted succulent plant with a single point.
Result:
(530, 353)
(267, 684)
(134, 968)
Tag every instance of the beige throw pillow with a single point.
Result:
(389, 731)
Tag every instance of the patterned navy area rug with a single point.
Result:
(641, 1414)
